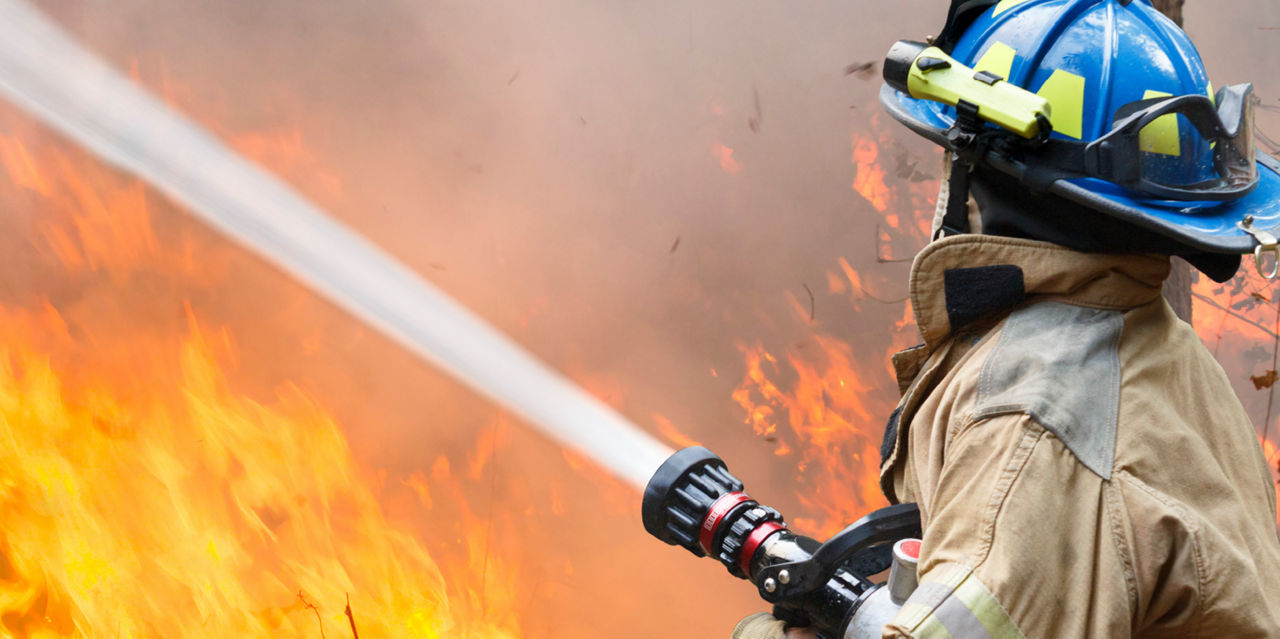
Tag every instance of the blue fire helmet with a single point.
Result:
(1138, 131)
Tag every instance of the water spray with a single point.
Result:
(694, 502)
(46, 73)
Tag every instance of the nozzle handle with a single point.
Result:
(874, 533)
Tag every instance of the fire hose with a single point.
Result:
(694, 502)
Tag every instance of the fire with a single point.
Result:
(20, 166)
(823, 403)
(121, 508)
(673, 434)
(868, 181)
(1240, 324)
(823, 417)
(1272, 454)
(144, 495)
(824, 410)
(727, 162)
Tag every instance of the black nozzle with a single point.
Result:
(693, 502)
(898, 62)
(681, 494)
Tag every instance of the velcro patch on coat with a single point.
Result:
(1060, 364)
(974, 292)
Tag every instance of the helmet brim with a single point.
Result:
(1205, 226)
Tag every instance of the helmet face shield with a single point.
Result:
(1182, 148)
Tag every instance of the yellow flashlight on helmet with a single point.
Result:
(927, 73)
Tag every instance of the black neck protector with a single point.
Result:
(1009, 209)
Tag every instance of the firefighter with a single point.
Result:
(1081, 464)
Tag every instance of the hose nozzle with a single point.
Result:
(694, 502)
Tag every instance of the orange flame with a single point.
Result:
(20, 166)
(826, 418)
(869, 179)
(821, 406)
(1272, 454)
(136, 483)
(1238, 322)
(120, 509)
(673, 434)
(725, 154)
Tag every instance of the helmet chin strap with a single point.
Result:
(944, 196)
(951, 217)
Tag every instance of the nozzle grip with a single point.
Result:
(682, 492)
(877, 532)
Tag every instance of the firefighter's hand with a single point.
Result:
(762, 625)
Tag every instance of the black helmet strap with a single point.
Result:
(955, 219)
(968, 141)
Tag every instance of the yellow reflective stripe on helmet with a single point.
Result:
(1161, 136)
(952, 603)
(1005, 5)
(1065, 91)
(998, 59)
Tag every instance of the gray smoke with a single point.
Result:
(48, 74)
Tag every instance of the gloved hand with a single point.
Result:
(762, 625)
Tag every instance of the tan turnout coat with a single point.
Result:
(1081, 463)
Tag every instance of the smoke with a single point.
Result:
(67, 88)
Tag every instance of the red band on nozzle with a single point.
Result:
(754, 541)
(715, 515)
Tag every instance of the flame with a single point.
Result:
(284, 151)
(820, 416)
(725, 154)
(143, 495)
(673, 434)
(868, 181)
(911, 190)
(20, 166)
(1272, 454)
(1239, 322)
(823, 411)
(121, 508)
(821, 404)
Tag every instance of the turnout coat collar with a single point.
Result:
(967, 276)
(980, 279)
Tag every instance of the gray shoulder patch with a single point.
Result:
(1061, 365)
